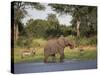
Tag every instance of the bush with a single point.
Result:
(23, 42)
(83, 40)
(39, 42)
(19, 42)
(88, 41)
(93, 40)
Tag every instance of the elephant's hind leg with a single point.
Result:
(53, 58)
(45, 59)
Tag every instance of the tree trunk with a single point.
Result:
(16, 31)
(78, 33)
(78, 27)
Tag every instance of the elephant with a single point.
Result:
(54, 46)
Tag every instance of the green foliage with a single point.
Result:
(93, 40)
(19, 42)
(20, 8)
(83, 40)
(36, 28)
(35, 43)
(43, 28)
(23, 42)
(54, 26)
(20, 11)
(87, 15)
(50, 27)
(66, 30)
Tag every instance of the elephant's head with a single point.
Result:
(68, 43)
(65, 42)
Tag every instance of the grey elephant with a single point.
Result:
(55, 46)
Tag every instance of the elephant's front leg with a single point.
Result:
(61, 52)
(62, 57)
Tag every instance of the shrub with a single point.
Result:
(83, 40)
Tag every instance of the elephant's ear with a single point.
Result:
(66, 41)
(61, 42)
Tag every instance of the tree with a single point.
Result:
(83, 16)
(87, 19)
(20, 11)
(53, 24)
(36, 28)
(68, 9)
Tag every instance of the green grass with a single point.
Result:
(90, 52)
(36, 58)
(75, 54)
(70, 54)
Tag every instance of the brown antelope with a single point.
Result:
(28, 52)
